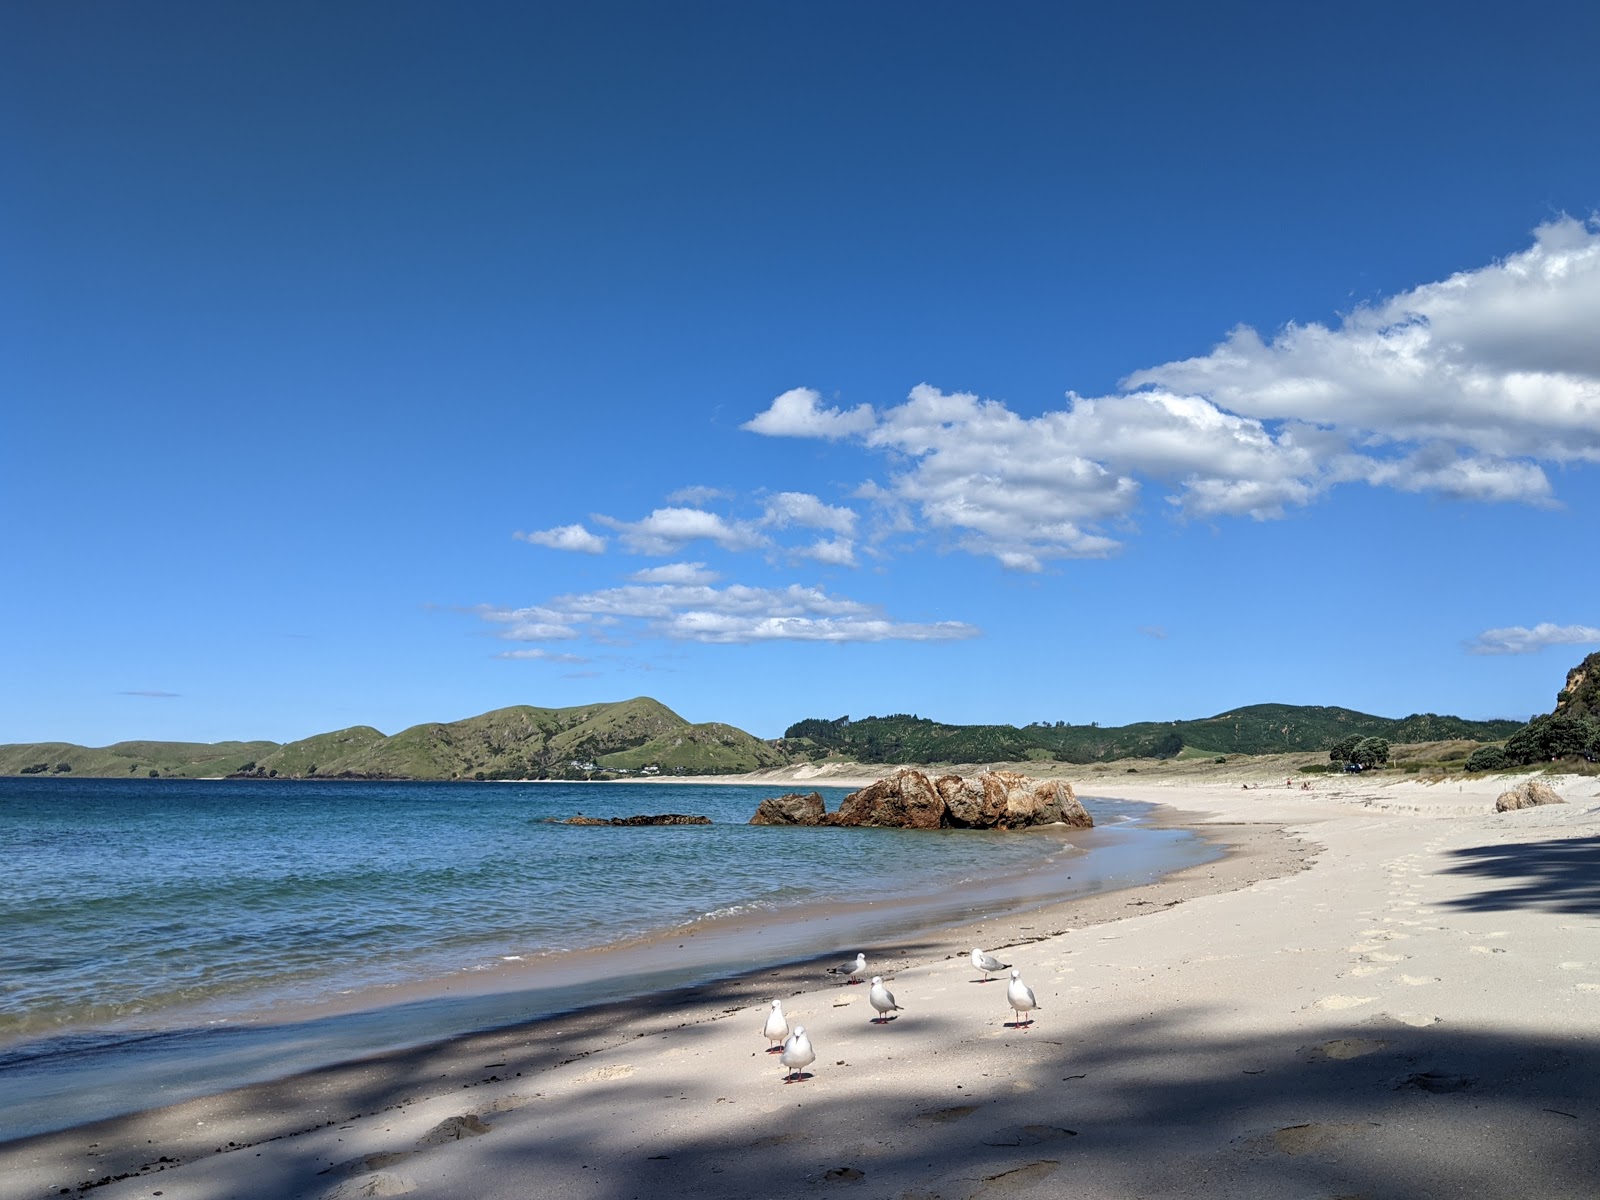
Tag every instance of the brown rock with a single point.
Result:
(1530, 794)
(1022, 802)
(794, 808)
(905, 800)
(968, 804)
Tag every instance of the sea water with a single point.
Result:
(163, 938)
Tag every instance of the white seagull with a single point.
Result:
(776, 1030)
(1020, 996)
(987, 963)
(882, 999)
(852, 969)
(797, 1055)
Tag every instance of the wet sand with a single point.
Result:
(1383, 989)
(248, 1116)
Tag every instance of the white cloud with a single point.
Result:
(668, 530)
(804, 509)
(565, 537)
(1518, 639)
(837, 552)
(1464, 388)
(798, 413)
(535, 624)
(736, 614)
(1500, 362)
(534, 652)
(680, 572)
(696, 495)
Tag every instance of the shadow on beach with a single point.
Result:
(1139, 1108)
(1560, 875)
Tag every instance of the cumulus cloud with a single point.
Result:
(799, 413)
(804, 509)
(736, 614)
(1499, 362)
(668, 530)
(1519, 639)
(836, 552)
(1465, 388)
(565, 537)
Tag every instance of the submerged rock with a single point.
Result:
(658, 819)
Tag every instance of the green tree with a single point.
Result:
(1488, 758)
(1370, 752)
(1341, 751)
(1550, 737)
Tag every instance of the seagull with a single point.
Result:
(852, 969)
(797, 1055)
(882, 999)
(1020, 996)
(776, 1030)
(987, 963)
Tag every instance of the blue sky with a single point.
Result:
(382, 363)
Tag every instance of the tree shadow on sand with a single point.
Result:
(1144, 1107)
(1557, 875)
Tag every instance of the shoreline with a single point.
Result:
(1270, 1023)
(254, 1113)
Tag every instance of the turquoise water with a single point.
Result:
(145, 915)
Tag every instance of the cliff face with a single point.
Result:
(1581, 696)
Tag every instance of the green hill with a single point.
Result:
(177, 760)
(1257, 729)
(639, 735)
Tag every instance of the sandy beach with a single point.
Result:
(1385, 989)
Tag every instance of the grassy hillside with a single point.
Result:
(1257, 729)
(176, 760)
(510, 743)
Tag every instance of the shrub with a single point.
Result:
(1488, 758)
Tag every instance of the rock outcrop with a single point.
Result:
(908, 799)
(904, 800)
(657, 819)
(794, 808)
(1530, 794)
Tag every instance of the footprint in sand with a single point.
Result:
(1331, 1002)
(383, 1183)
(454, 1129)
(1588, 987)
(1366, 969)
(1486, 949)
(600, 1074)
(1314, 1138)
(1418, 980)
(943, 1116)
(1415, 1020)
(1019, 1177)
(1340, 1049)
(1574, 966)
(1383, 957)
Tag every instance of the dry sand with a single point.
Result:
(1385, 990)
